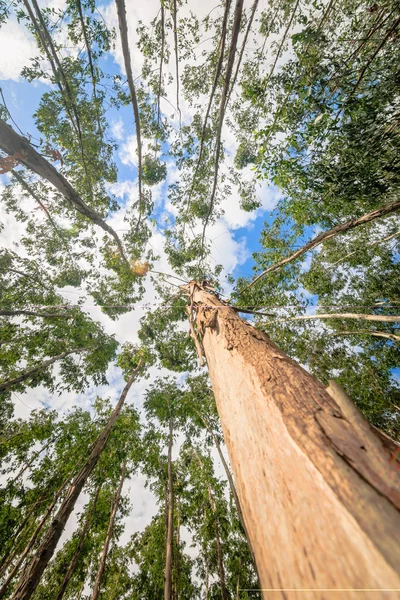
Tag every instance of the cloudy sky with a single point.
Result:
(233, 238)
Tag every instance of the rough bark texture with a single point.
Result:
(33, 571)
(170, 521)
(13, 143)
(318, 489)
(104, 554)
(74, 560)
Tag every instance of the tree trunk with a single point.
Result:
(14, 144)
(102, 565)
(317, 487)
(170, 524)
(178, 542)
(15, 543)
(5, 385)
(75, 558)
(123, 29)
(31, 541)
(221, 570)
(33, 571)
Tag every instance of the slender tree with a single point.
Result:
(104, 554)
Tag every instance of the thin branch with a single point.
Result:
(389, 336)
(362, 317)
(90, 59)
(281, 45)
(326, 235)
(5, 385)
(16, 313)
(175, 25)
(161, 60)
(239, 62)
(386, 239)
(211, 99)
(371, 59)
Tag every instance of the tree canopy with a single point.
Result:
(252, 147)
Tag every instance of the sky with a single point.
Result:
(233, 238)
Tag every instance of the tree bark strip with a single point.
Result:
(33, 571)
(5, 385)
(104, 554)
(169, 546)
(326, 235)
(317, 487)
(74, 561)
(13, 143)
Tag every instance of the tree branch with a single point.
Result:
(326, 235)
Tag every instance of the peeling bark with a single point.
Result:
(318, 488)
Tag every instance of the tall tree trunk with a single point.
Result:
(81, 590)
(317, 486)
(104, 554)
(33, 571)
(5, 385)
(170, 523)
(221, 570)
(123, 29)
(220, 558)
(74, 560)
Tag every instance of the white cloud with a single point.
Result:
(17, 46)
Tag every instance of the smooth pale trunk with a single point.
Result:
(318, 489)
(170, 521)
(104, 554)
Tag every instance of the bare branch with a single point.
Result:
(326, 235)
